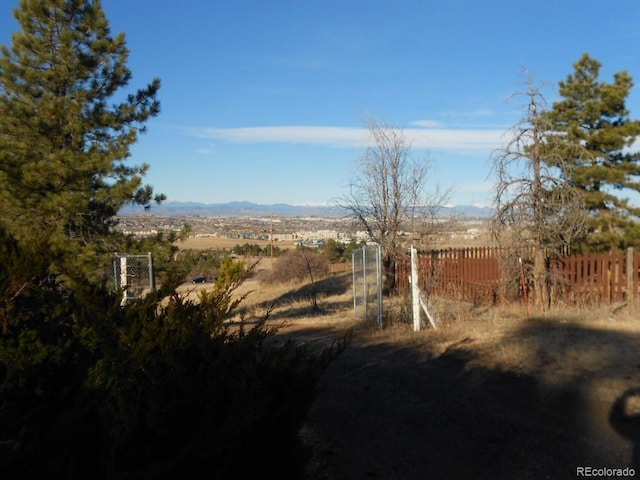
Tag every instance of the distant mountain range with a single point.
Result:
(279, 209)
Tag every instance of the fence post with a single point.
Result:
(631, 276)
(415, 290)
(124, 280)
(379, 282)
(354, 285)
(365, 289)
(152, 276)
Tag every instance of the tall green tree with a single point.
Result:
(66, 129)
(593, 115)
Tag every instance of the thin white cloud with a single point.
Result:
(330, 136)
(452, 140)
(426, 123)
(458, 141)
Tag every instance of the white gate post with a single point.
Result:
(415, 290)
(124, 284)
(354, 286)
(416, 295)
(379, 280)
(365, 290)
(152, 273)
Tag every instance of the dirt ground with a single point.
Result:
(489, 395)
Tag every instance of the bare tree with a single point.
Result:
(537, 209)
(386, 193)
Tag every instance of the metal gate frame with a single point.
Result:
(132, 276)
(367, 282)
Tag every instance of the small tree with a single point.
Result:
(333, 251)
(536, 207)
(231, 271)
(64, 136)
(386, 194)
(300, 265)
(297, 265)
(593, 115)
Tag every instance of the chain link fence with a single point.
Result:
(367, 283)
(133, 275)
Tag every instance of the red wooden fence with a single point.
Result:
(485, 275)
(597, 278)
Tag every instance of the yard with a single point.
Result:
(489, 394)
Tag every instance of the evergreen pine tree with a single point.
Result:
(592, 114)
(65, 132)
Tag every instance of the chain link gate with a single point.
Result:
(367, 283)
(133, 275)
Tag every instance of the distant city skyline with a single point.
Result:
(266, 101)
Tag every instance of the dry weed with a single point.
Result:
(596, 347)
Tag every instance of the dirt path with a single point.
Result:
(439, 410)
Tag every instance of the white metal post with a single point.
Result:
(364, 282)
(379, 282)
(152, 275)
(354, 286)
(123, 279)
(415, 290)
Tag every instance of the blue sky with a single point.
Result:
(265, 101)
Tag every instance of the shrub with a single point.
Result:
(161, 388)
(298, 265)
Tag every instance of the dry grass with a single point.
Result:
(289, 302)
(595, 349)
(597, 346)
(287, 307)
(483, 373)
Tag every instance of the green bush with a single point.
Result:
(161, 388)
(337, 252)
